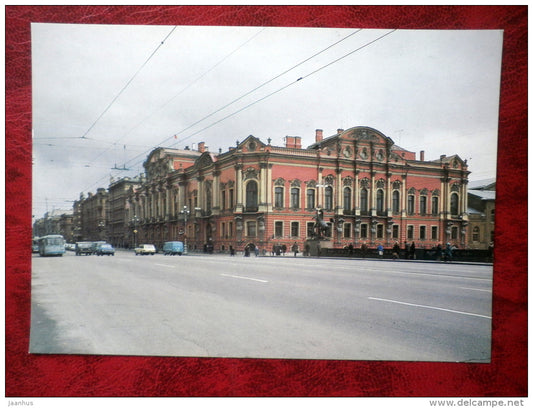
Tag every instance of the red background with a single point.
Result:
(75, 376)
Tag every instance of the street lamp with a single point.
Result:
(135, 220)
(185, 213)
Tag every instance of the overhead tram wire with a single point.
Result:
(272, 93)
(288, 85)
(184, 89)
(127, 84)
(248, 93)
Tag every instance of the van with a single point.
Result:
(173, 248)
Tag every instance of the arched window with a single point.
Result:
(251, 196)
(423, 205)
(347, 198)
(379, 201)
(410, 204)
(475, 234)
(435, 205)
(364, 200)
(310, 198)
(396, 201)
(278, 197)
(295, 197)
(328, 198)
(454, 204)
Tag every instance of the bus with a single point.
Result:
(52, 245)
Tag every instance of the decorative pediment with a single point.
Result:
(279, 181)
(250, 173)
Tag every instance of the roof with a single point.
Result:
(483, 194)
(481, 184)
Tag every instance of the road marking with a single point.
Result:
(481, 290)
(244, 277)
(430, 307)
(166, 266)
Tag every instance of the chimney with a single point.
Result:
(293, 142)
(201, 147)
(339, 131)
(318, 135)
(421, 155)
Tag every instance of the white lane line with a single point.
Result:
(166, 266)
(480, 290)
(244, 277)
(430, 307)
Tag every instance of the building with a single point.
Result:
(481, 208)
(368, 189)
(118, 223)
(94, 216)
(55, 222)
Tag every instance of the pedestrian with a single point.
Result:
(438, 252)
(412, 250)
(406, 248)
(295, 248)
(396, 250)
(284, 249)
(256, 250)
(448, 253)
(246, 251)
(380, 251)
(231, 251)
(350, 249)
(364, 248)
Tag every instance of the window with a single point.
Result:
(310, 229)
(223, 230)
(422, 232)
(364, 200)
(380, 231)
(379, 201)
(410, 232)
(364, 230)
(295, 229)
(231, 202)
(454, 204)
(328, 198)
(395, 231)
(455, 232)
(475, 234)
(295, 197)
(347, 230)
(434, 205)
(347, 199)
(410, 204)
(223, 204)
(251, 196)
(278, 229)
(434, 233)
(278, 197)
(251, 229)
(230, 229)
(423, 205)
(396, 201)
(310, 198)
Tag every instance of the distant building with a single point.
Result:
(481, 209)
(118, 223)
(55, 222)
(368, 189)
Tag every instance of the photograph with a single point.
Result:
(262, 192)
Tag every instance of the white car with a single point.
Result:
(145, 249)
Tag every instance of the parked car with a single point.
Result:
(145, 249)
(105, 249)
(70, 247)
(95, 245)
(173, 248)
(84, 248)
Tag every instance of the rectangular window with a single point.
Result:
(380, 231)
(435, 205)
(310, 199)
(395, 231)
(231, 202)
(251, 229)
(434, 233)
(295, 197)
(411, 204)
(223, 200)
(347, 230)
(423, 205)
(422, 232)
(410, 232)
(455, 232)
(364, 230)
(295, 229)
(278, 229)
(310, 229)
(278, 197)
(230, 229)
(223, 230)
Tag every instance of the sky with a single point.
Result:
(104, 96)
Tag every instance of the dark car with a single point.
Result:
(105, 249)
(84, 248)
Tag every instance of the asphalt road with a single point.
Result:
(265, 307)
